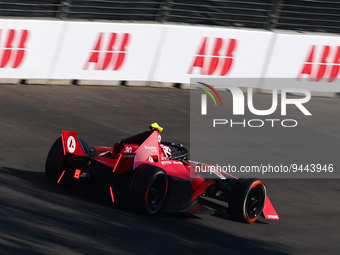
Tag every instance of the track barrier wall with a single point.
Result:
(162, 54)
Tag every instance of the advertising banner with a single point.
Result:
(208, 52)
(307, 61)
(28, 48)
(107, 51)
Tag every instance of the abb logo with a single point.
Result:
(327, 67)
(113, 56)
(220, 60)
(13, 52)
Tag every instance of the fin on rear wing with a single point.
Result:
(72, 144)
(125, 161)
(269, 211)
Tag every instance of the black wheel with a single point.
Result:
(247, 199)
(148, 189)
(56, 161)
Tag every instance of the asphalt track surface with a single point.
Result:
(39, 217)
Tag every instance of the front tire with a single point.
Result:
(148, 189)
(247, 199)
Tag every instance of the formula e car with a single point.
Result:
(153, 176)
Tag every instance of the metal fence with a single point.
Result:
(300, 15)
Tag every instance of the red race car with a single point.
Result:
(154, 176)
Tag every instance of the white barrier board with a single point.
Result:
(40, 49)
(305, 61)
(27, 47)
(191, 51)
(107, 51)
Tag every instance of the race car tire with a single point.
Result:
(148, 189)
(56, 162)
(247, 199)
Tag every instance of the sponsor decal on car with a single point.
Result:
(71, 144)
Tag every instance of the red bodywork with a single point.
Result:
(127, 155)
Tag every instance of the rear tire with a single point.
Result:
(56, 161)
(148, 189)
(247, 199)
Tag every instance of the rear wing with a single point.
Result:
(72, 143)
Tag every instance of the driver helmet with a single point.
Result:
(166, 150)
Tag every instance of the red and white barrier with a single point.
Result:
(305, 61)
(68, 50)
(28, 48)
(107, 51)
(211, 52)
